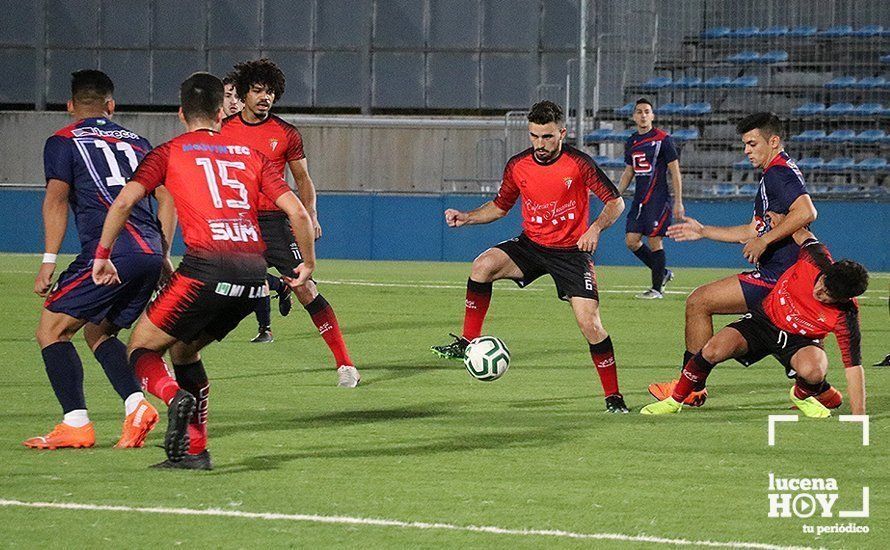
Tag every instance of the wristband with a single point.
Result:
(102, 253)
(49, 258)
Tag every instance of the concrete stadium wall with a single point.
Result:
(406, 227)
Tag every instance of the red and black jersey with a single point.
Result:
(216, 183)
(555, 195)
(792, 307)
(278, 140)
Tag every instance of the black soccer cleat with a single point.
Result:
(615, 404)
(884, 363)
(200, 461)
(180, 412)
(264, 336)
(285, 300)
(454, 350)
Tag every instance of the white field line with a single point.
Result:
(377, 522)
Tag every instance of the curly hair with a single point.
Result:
(545, 112)
(260, 71)
(845, 279)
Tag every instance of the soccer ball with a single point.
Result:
(487, 358)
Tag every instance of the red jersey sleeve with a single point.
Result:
(509, 191)
(152, 171)
(272, 185)
(815, 253)
(294, 144)
(596, 180)
(849, 338)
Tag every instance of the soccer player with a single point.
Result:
(86, 165)
(232, 104)
(649, 154)
(555, 181)
(260, 84)
(215, 182)
(812, 298)
(770, 247)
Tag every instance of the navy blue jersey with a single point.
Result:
(96, 158)
(780, 185)
(649, 154)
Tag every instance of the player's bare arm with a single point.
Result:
(856, 388)
(692, 230)
(677, 183)
(486, 213)
(607, 217)
(167, 217)
(801, 213)
(104, 272)
(306, 191)
(55, 221)
(302, 227)
(626, 177)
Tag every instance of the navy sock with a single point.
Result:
(644, 254)
(274, 283)
(658, 263)
(65, 372)
(264, 312)
(112, 355)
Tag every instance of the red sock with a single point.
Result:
(804, 389)
(693, 375)
(604, 359)
(152, 373)
(478, 299)
(323, 316)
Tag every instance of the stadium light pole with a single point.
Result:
(582, 76)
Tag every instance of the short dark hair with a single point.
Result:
(91, 86)
(768, 124)
(643, 100)
(201, 96)
(545, 112)
(845, 279)
(228, 81)
(260, 71)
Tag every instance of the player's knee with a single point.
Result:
(484, 269)
(593, 329)
(306, 293)
(632, 241)
(697, 302)
(714, 352)
(47, 334)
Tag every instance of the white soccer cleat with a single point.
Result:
(650, 294)
(349, 376)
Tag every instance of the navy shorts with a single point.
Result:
(650, 219)
(76, 294)
(755, 286)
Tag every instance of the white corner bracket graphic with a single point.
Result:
(861, 418)
(863, 513)
(771, 427)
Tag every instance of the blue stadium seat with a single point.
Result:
(841, 82)
(746, 56)
(744, 82)
(701, 108)
(600, 159)
(598, 136)
(743, 164)
(726, 189)
(656, 83)
(840, 109)
(844, 189)
(627, 109)
(717, 82)
(745, 32)
(620, 135)
(872, 164)
(868, 109)
(885, 58)
(809, 109)
(775, 31)
(820, 188)
(669, 109)
(613, 163)
(803, 31)
(810, 163)
(868, 31)
(774, 56)
(840, 136)
(871, 83)
(871, 136)
(687, 82)
(716, 32)
(688, 134)
(809, 136)
(837, 31)
(838, 164)
(748, 189)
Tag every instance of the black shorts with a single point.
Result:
(571, 269)
(282, 251)
(187, 307)
(764, 338)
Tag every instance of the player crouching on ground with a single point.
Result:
(555, 181)
(215, 183)
(814, 297)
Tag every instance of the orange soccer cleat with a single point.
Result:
(137, 425)
(663, 390)
(64, 436)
